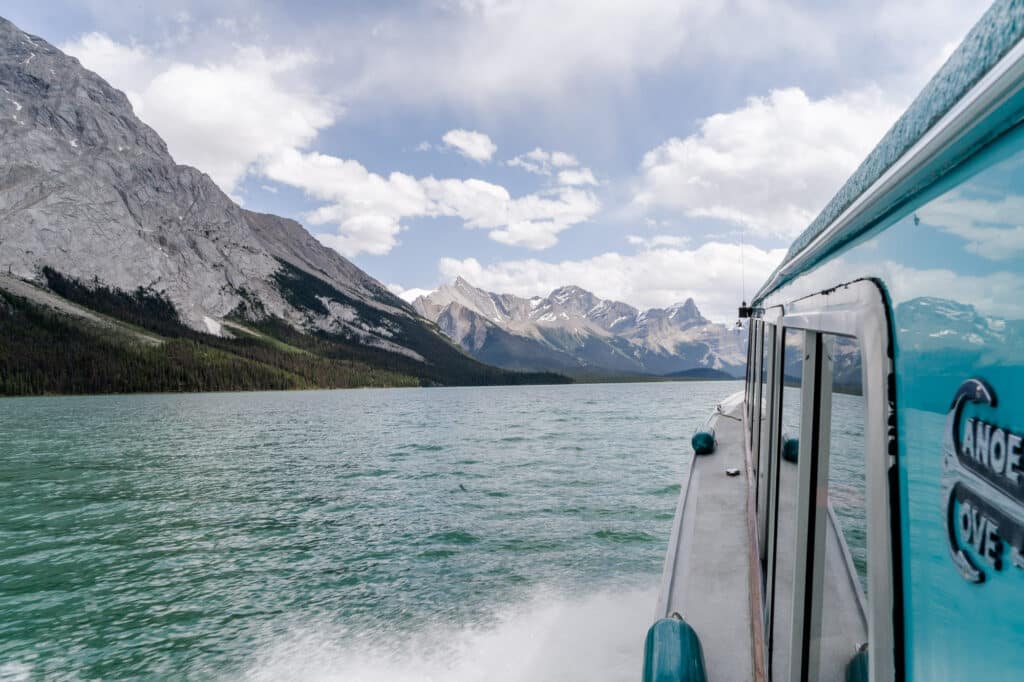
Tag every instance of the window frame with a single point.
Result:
(860, 310)
(772, 399)
(755, 410)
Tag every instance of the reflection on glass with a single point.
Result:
(785, 503)
(846, 480)
(842, 631)
(757, 409)
(953, 269)
(753, 361)
(761, 455)
(768, 334)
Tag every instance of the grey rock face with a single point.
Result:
(466, 327)
(573, 329)
(89, 190)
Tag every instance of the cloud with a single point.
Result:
(368, 208)
(535, 220)
(581, 176)
(656, 277)
(372, 234)
(996, 293)
(993, 228)
(770, 165)
(541, 162)
(563, 160)
(999, 294)
(128, 67)
(471, 144)
(562, 164)
(658, 240)
(408, 295)
(482, 51)
(248, 114)
(224, 117)
(498, 54)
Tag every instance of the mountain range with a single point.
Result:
(571, 330)
(123, 270)
(939, 337)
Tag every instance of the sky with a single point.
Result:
(647, 151)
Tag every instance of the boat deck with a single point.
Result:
(712, 576)
(707, 571)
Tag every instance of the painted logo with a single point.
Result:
(983, 486)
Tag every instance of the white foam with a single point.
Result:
(15, 671)
(550, 637)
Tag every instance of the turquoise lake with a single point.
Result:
(406, 534)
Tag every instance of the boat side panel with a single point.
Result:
(952, 264)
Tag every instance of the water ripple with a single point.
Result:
(199, 536)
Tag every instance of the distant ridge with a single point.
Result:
(572, 330)
(700, 373)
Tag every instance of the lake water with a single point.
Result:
(408, 534)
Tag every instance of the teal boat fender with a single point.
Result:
(790, 447)
(703, 441)
(672, 653)
(857, 669)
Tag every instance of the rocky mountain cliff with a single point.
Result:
(90, 199)
(572, 329)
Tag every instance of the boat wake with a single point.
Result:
(549, 637)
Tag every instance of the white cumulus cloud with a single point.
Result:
(577, 176)
(247, 114)
(471, 144)
(408, 295)
(127, 67)
(501, 53)
(992, 226)
(484, 51)
(658, 240)
(367, 208)
(541, 162)
(770, 165)
(998, 293)
(564, 166)
(563, 160)
(223, 118)
(655, 277)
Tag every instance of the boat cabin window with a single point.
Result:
(753, 369)
(838, 631)
(783, 515)
(847, 487)
(762, 448)
(756, 395)
(760, 421)
(816, 600)
(750, 366)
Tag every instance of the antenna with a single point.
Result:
(745, 310)
(743, 270)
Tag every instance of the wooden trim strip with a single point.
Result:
(754, 564)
